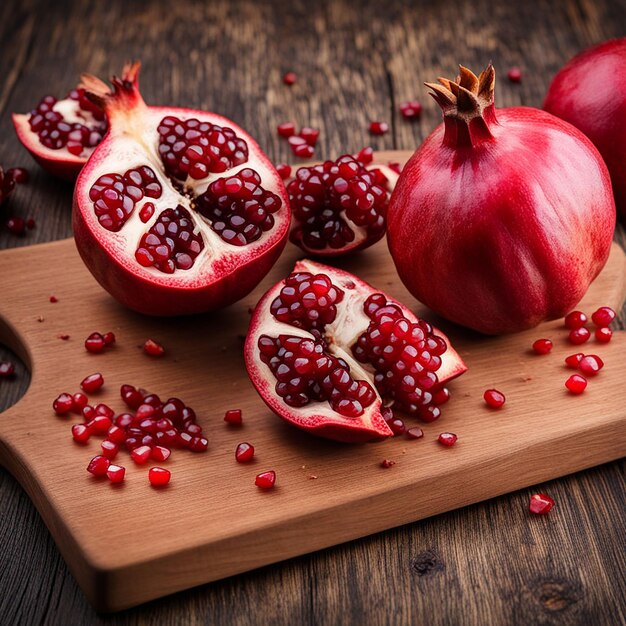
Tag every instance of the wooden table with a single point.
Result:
(356, 61)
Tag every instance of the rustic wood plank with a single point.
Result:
(456, 568)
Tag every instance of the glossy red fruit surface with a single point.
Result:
(244, 452)
(473, 210)
(540, 504)
(218, 216)
(494, 398)
(266, 480)
(159, 476)
(576, 384)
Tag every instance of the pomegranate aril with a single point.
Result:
(387, 463)
(573, 360)
(198, 444)
(63, 404)
(284, 170)
(160, 453)
(579, 335)
(116, 473)
(81, 433)
(100, 424)
(575, 319)
(365, 156)
(394, 166)
(233, 416)
(310, 135)
(441, 396)
(286, 130)
(7, 369)
(603, 335)
(30, 223)
(494, 398)
(542, 346)
(159, 477)
(576, 384)
(590, 365)
(117, 432)
(95, 343)
(603, 316)
(146, 212)
(109, 338)
(302, 150)
(131, 396)
(415, 433)
(411, 110)
(540, 504)
(89, 412)
(16, 225)
(99, 465)
(514, 75)
(109, 449)
(18, 174)
(53, 299)
(397, 426)
(290, 78)
(447, 439)
(104, 409)
(141, 454)
(244, 452)
(92, 383)
(379, 128)
(153, 348)
(265, 480)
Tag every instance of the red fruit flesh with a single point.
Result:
(447, 439)
(603, 335)
(116, 473)
(473, 210)
(590, 365)
(339, 206)
(542, 346)
(153, 348)
(494, 398)
(411, 110)
(16, 225)
(62, 134)
(290, 78)
(324, 347)
(233, 416)
(99, 465)
(266, 480)
(286, 130)
(379, 128)
(7, 369)
(81, 433)
(159, 477)
(514, 75)
(576, 384)
(244, 452)
(178, 211)
(415, 433)
(575, 320)
(603, 316)
(92, 383)
(579, 335)
(540, 504)
(63, 404)
(8, 180)
(574, 360)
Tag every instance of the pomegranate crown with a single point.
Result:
(124, 93)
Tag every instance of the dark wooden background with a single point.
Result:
(487, 564)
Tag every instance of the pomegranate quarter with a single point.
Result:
(177, 211)
(325, 350)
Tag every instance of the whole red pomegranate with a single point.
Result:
(590, 93)
(500, 219)
(324, 349)
(177, 211)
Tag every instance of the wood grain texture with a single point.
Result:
(485, 563)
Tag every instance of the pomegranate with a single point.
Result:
(340, 206)
(590, 93)
(178, 211)
(325, 349)
(8, 180)
(62, 134)
(501, 218)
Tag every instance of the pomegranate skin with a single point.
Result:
(508, 230)
(590, 93)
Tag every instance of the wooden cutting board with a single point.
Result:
(129, 543)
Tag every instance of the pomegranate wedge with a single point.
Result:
(325, 351)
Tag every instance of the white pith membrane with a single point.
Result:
(340, 335)
(132, 142)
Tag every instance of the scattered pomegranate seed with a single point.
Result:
(63, 404)
(100, 425)
(152, 348)
(79, 402)
(141, 454)
(16, 225)
(494, 398)
(265, 480)
(233, 416)
(81, 433)
(99, 465)
(109, 449)
(18, 174)
(379, 128)
(30, 223)
(287, 129)
(92, 383)
(95, 343)
(542, 346)
(603, 316)
(540, 504)
(89, 412)
(116, 434)
(590, 364)
(109, 338)
(6, 369)
(575, 319)
(160, 453)
(159, 476)
(300, 148)
(115, 473)
(104, 409)
(411, 110)
(54, 299)
(290, 78)
(447, 439)
(579, 335)
(415, 433)
(397, 426)
(573, 360)
(441, 396)
(576, 384)
(387, 463)
(514, 75)
(310, 135)
(284, 170)
(365, 156)
(64, 337)
(395, 167)
(603, 335)
(244, 452)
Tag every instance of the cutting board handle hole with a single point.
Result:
(13, 349)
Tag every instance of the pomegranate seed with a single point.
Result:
(160, 453)
(18, 174)
(141, 454)
(603, 335)
(387, 463)
(152, 348)
(63, 404)
(159, 477)
(415, 433)
(290, 78)
(590, 364)
(53, 299)
(579, 335)
(100, 425)
(395, 167)
(109, 449)
(397, 426)
(109, 338)
(30, 223)
(116, 433)
(603, 316)
(99, 465)
(576, 384)
(310, 135)
(95, 343)
(494, 398)
(104, 409)
(411, 110)
(79, 402)
(64, 337)
(198, 444)
(575, 319)
(7, 369)
(540, 504)
(365, 156)
(287, 129)
(115, 473)
(92, 383)
(542, 346)
(284, 170)
(16, 225)
(514, 75)
(442, 396)
(265, 480)
(89, 412)
(379, 128)
(447, 439)
(81, 433)
(573, 360)
(303, 151)
(244, 452)
(233, 416)
(146, 212)
(131, 396)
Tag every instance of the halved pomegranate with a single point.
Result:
(178, 211)
(325, 350)
(339, 206)
(62, 134)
